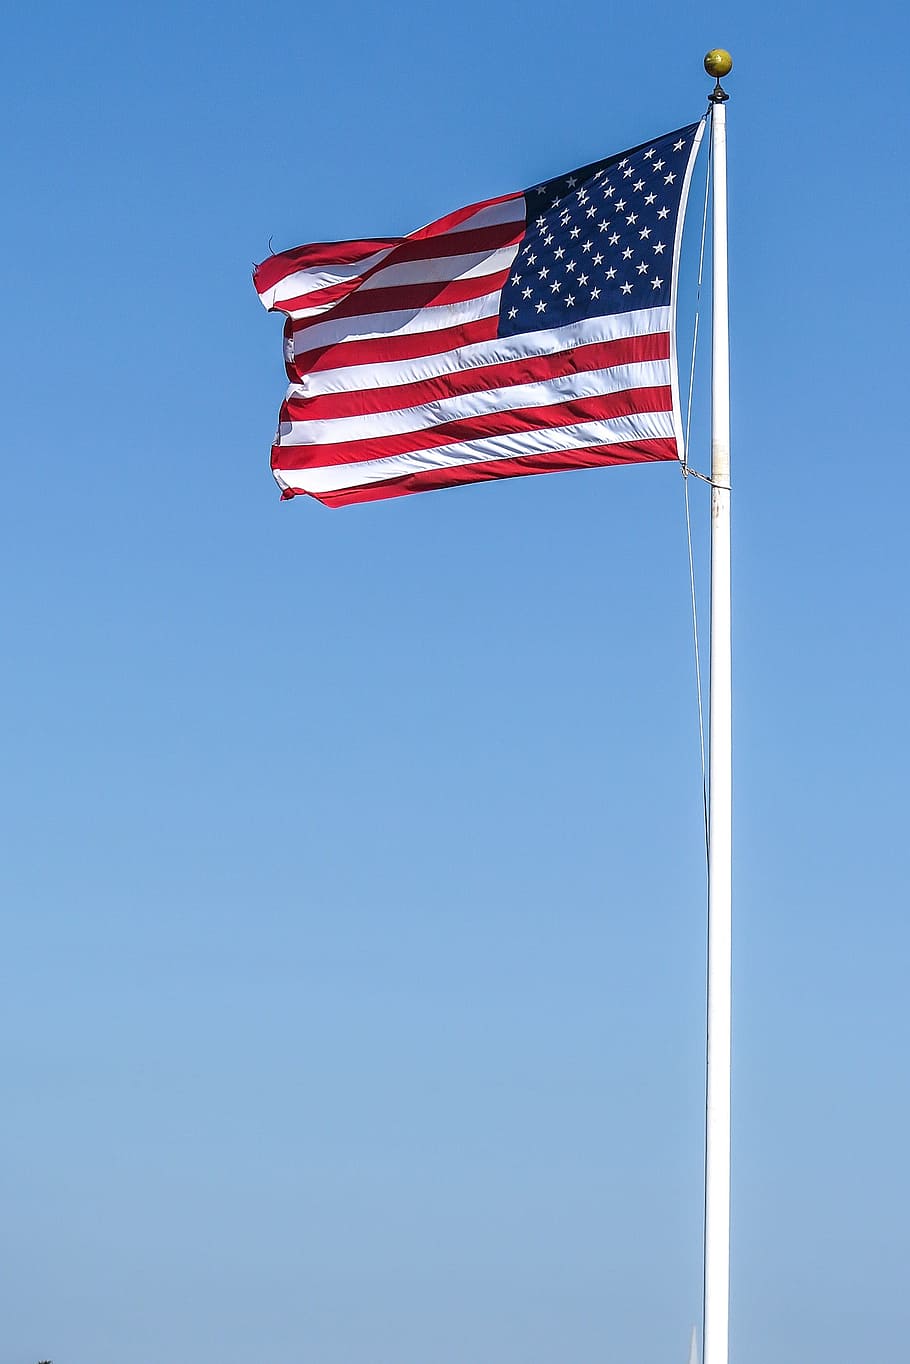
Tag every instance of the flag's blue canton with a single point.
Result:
(599, 240)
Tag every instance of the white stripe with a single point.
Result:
(406, 321)
(387, 374)
(543, 393)
(443, 268)
(438, 268)
(320, 277)
(509, 211)
(615, 431)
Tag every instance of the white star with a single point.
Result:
(531, 258)
(663, 213)
(541, 307)
(542, 274)
(595, 293)
(611, 273)
(541, 189)
(602, 225)
(548, 239)
(645, 232)
(526, 293)
(658, 247)
(576, 232)
(650, 152)
(649, 198)
(513, 312)
(627, 288)
(639, 184)
(570, 265)
(627, 254)
(628, 172)
(631, 217)
(624, 162)
(668, 179)
(609, 191)
(598, 258)
(571, 182)
(555, 287)
(560, 252)
(598, 174)
(643, 268)
(587, 246)
(570, 300)
(582, 279)
(564, 219)
(658, 165)
(619, 205)
(555, 203)
(591, 212)
(678, 146)
(582, 196)
(541, 222)
(614, 238)
(656, 282)
(516, 279)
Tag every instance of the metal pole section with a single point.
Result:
(717, 1126)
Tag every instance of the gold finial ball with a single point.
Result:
(718, 63)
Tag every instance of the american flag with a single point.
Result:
(522, 335)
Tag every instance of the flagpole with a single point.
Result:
(717, 1125)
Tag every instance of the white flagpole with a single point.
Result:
(717, 1127)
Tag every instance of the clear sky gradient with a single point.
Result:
(353, 947)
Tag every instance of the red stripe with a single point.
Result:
(378, 349)
(481, 239)
(600, 407)
(468, 243)
(560, 461)
(626, 350)
(319, 298)
(453, 220)
(276, 268)
(408, 297)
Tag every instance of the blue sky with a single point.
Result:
(354, 899)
